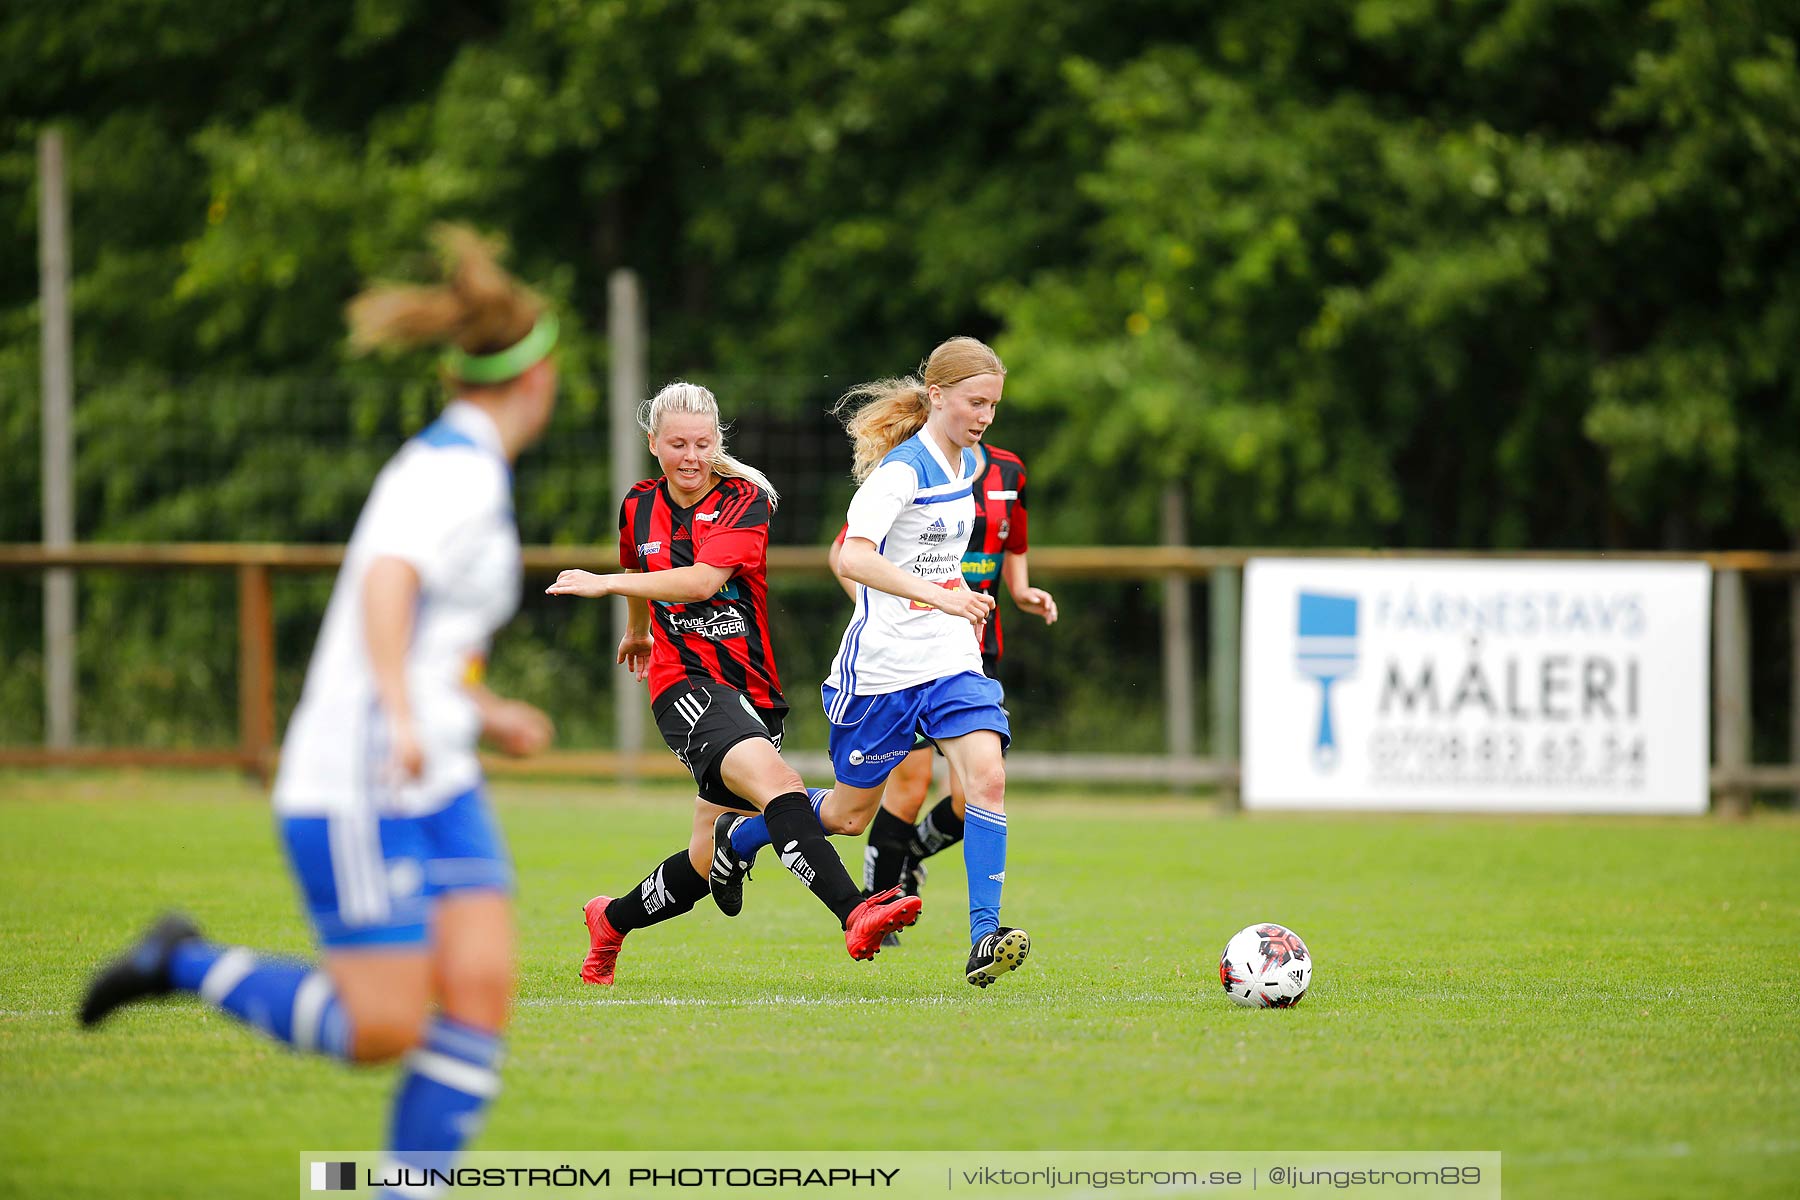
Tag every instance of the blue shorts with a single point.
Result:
(879, 730)
(370, 881)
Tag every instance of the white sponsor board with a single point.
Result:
(1456, 685)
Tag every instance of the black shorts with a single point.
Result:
(701, 721)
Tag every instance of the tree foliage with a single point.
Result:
(1503, 275)
(1466, 274)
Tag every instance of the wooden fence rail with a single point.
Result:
(1733, 776)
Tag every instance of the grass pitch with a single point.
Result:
(1610, 1003)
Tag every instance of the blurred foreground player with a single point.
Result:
(380, 795)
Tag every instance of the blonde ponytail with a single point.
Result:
(883, 414)
(690, 399)
(479, 309)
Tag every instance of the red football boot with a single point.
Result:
(881, 914)
(603, 943)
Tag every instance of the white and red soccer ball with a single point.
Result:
(1266, 966)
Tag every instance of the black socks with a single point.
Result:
(940, 829)
(796, 836)
(893, 848)
(670, 890)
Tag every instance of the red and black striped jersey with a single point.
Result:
(724, 638)
(999, 530)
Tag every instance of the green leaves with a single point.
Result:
(1348, 270)
(1469, 318)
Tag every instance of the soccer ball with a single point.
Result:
(1265, 966)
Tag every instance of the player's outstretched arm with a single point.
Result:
(1035, 601)
(516, 727)
(682, 585)
(390, 600)
(834, 559)
(637, 645)
(863, 563)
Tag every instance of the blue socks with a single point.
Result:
(984, 855)
(752, 833)
(450, 1081)
(291, 1002)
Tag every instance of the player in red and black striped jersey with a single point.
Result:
(997, 547)
(723, 638)
(694, 548)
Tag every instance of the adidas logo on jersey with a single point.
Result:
(681, 534)
(935, 532)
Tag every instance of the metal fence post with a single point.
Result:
(1224, 655)
(58, 437)
(1178, 636)
(1731, 692)
(626, 351)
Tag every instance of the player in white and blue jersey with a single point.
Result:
(907, 664)
(398, 859)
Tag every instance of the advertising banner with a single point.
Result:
(1449, 685)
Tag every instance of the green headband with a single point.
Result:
(509, 363)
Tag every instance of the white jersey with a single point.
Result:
(444, 505)
(919, 511)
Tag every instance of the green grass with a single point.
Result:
(1610, 1003)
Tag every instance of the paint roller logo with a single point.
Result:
(1326, 652)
